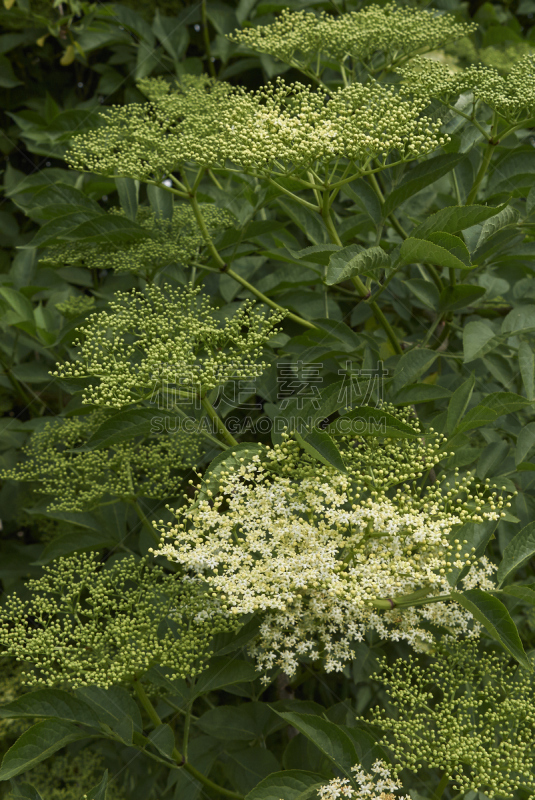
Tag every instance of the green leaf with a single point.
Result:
(355, 260)
(411, 366)
(318, 253)
(459, 296)
(8, 79)
(107, 229)
(506, 216)
(526, 362)
(50, 703)
(524, 443)
(519, 319)
(174, 37)
(38, 743)
(128, 190)
(223, 672)
(327, 736)
(425, 291)
(122, 427)
(114, 708)
(369, 421)
(160, 200)
(414, 250)
(320, 445)
(23, 791)
(521, 592)
(55, 229)
(289, 784)
(453, 219)
(459, 402)
(493, 615)
(163, 739)
(245, 723)
(18, 302)
(423, 174)
(493, 406)
(420, 393)
(514, 171)
(518, 551)
(98, 792)
(249, 765)
(453, 244)
(477, 338)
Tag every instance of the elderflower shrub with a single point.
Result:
(375, 785)
(469, 714)
(93, 624)
(282, 125)
(321, 554)
(167, 336)
(172, 241)
(511, 96)
(67, 777)
(78, 479)
(392, 32)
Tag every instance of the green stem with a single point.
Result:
(271, 303)
(489, 150)
(177, 756)
(170, 189)
(218, 422)
(144, 520)
(295, 197)
(224, 268)
(181, 413)
(185, 740)
(357, 282)
(439, 791)
(206, 39)
(470, 119)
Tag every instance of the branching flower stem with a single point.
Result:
(177, 756)
(357, 282)
(146, 523)
(218, 422)
(223, 267)
(487, 156)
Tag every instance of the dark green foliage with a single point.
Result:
(242, 251)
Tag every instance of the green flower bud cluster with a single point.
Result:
(76, 305)
(172, 241)
(502, 57)
(395, 32)
(78, 479)
(167, 336)
(103, 624)
(325, 556)
(469, 714)
(68, 777)
(511, 96)
(282, 125)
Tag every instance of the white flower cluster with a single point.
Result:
(377, 786)
(321, 558)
